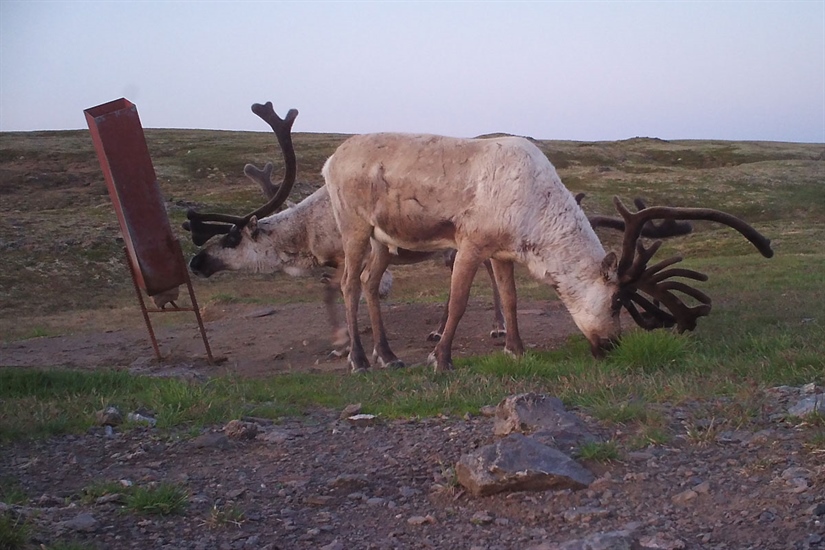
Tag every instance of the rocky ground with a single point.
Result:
(323, 482)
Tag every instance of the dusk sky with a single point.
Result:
(551, 70)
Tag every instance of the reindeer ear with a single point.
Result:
(252, 227)
(610, 266)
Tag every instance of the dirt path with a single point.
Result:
(260, 341)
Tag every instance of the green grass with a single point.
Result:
(705, 365)
(599, 451)
(642, 351)
(14, 531)
(164, 499)
(11, 492)
(63, 257)
(766, 329)
(102, 488)
(224, 516)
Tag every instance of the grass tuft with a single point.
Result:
(164, 499)
(224, 516)
(654, 351)
(14, 531)
(599, 451)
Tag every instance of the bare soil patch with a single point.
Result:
(262, 340)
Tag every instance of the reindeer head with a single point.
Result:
(240, 242)
(650, 293)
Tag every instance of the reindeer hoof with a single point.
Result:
(393, 365)
(336, 354)
(358, 370)
(439, 366)
(434, 336)
(498, 333)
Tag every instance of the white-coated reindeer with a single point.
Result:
(296, 240)
(498, 199)
(305, 236)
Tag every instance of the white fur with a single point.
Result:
(502, 197)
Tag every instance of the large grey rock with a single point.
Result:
(518, 463)
(84, 523)
(815, 404)
(544, 417)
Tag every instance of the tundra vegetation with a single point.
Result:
(63, 273)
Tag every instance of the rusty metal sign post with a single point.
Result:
(153, 254)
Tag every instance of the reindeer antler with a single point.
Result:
(262, 177)
(664, 308)
(202, 232)
(650, 229)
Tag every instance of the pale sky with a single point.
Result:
(584, 70)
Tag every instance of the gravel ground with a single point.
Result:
(321, 482)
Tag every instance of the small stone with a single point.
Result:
(235, 493)
(408, 492)
(110, 416)
(819, 509)
(362, 419)
(274, 435)
(488, 410)
(703, 488)
(584, 515)
(211, 440)
(661, 541)
(349, 480)
(238, 429)
(420, 520)
(138, 418)
(83, 523)
(684, 497)
(481, 518)
(106, 499)
(318, 500)
(350, 410)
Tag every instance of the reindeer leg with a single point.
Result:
(435, 336)
(355, 249)
(499, 328)
(340, 338)
(382, 355)
(506, 281)
(464, 270)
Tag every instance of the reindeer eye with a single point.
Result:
(616, 302)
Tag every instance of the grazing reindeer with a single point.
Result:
(305, 236)
(295, 240)
(498, 199)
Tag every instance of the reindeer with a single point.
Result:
(305, 237)
(296, 240)
(499, 199)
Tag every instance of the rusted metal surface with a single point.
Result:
(153, 254)
(130, 177)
